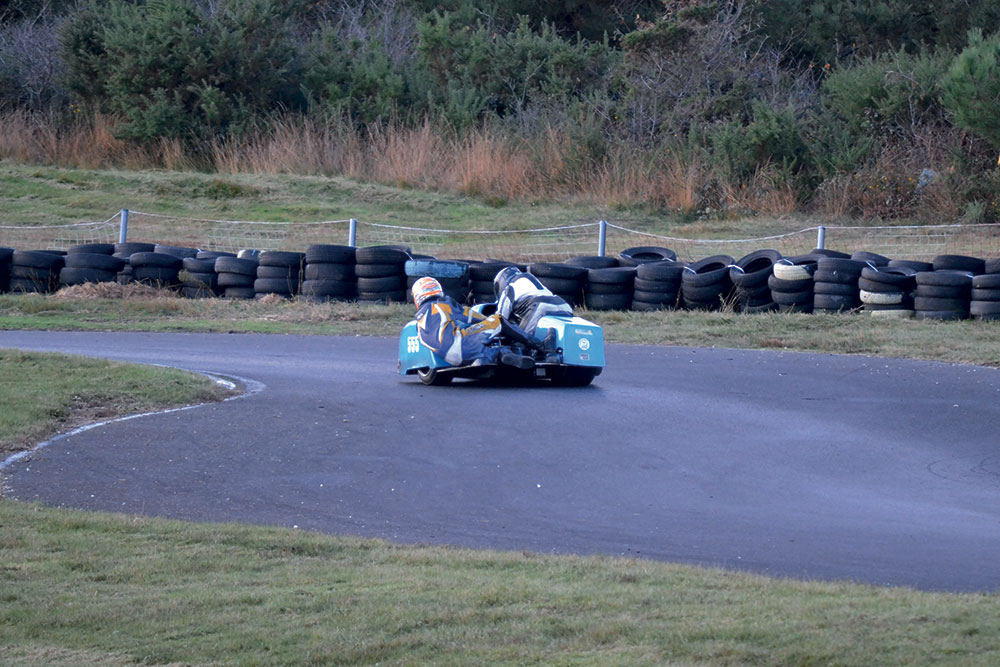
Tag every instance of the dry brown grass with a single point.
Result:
(132, 291)
(485, 163)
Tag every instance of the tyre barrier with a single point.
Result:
(563, 280)
(594, 262)
(481, 277)
(453, 276)
(5, 256)
(90, 267)
(640, 279)
(705, 284)
(835, 284)
(329, 273)
(381, 273)
(944, 294)
(92, 249)
(749, 276)
(611, 288)
(235, 277)
(198, 277)
(885, 288)
(985, 301)
(35, 271)
(657, 285)
(177, 251)
(278, 272)
(645, 254)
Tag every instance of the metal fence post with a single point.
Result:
(123, 226)
(352, 232)
(602, 237)
(821, 237)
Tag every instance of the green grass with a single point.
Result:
(86, 588)
(970, 341)
(79, 588)
(34, 195)
(41, 394)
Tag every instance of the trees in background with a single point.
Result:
(804, 92)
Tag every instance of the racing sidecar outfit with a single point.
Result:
(524, 300)
(457, 334)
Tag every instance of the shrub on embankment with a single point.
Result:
(726, 108)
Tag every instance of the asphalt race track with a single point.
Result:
(787, 464)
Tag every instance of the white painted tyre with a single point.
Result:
(881, 298)
(791, 272)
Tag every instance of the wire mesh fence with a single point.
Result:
(689, 250)
(921, 242)
(550, 244)
(232, 235)
(59, 237)
(525, 246)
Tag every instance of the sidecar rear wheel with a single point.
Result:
(433, 378)
(575, 376)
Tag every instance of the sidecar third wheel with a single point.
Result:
(574, 376)
(432, 377)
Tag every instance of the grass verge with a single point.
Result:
(80, 588)
(143, 309)
(42, 394)
(86, 588)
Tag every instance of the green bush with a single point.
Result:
(591, 20)
(354, 78)
(893, 93)
(171, 70)
(831, 31)
(773, 138)
(972, 87)
(509, 71)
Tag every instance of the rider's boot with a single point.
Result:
(519, 335)
(519, 361)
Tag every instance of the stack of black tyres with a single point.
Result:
(705, 284)
(156, 269)
(92, 248)
(943, 295)
(125, 251)
(5, 255)
(835, 284)
(791, 283)
(611, 288)
(749, 276)
(177, 251)
(871, 259)
(198, 277)
(452, 275)
(947, 295)
(594, 262)
(563, 280)
(235, 277)
(481, 277)
(381, 274)
(657, 285)
(91, 263)
(973, 265)
(985, 303)
(279, 272)
(887, 291)
(35, 270)
(329, 273)
(644, 255)
(827, 252)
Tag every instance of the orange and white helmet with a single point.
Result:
(425, 288)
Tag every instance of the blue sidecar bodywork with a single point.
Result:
(580, 356)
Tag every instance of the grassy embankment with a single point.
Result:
(86, 588)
